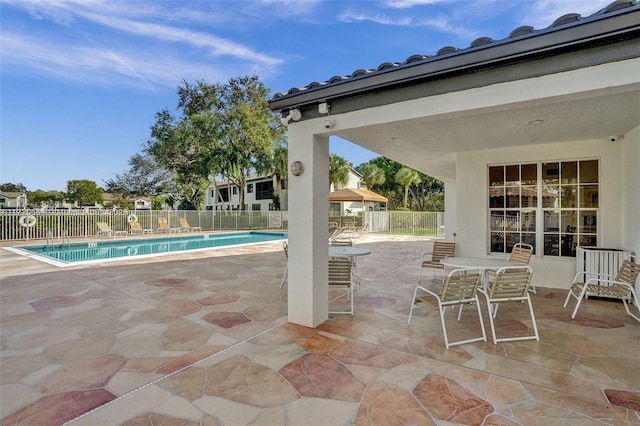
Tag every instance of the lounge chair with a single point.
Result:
(511, 284)
(136, 228)
(105, 229)
(441, 250)
(184, 225)
(619, 287)
(460, 289)
(163, 226)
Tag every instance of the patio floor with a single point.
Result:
(202, 339)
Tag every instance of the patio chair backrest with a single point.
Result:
(521, 253)
(135, 225)
(340, 271)
(341, 242)
(460, 285)
(285, 246)
(443, 249)
(629, 271)
(512, 281)
(184, 223)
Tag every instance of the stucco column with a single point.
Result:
(450, 210)
(308, 227)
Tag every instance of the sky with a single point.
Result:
(81, 80)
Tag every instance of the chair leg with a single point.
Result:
(284, 276)
(533, 318)
(582, 293)
(413, 304)
(493, 327)
(444, 327)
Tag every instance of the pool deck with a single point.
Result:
(202, 339)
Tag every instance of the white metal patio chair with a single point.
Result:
(511, 284)
(460, 289)
(441, 250)
(340, 276)
(620, 286)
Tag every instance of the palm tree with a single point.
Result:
(406, 177)
(338, 170)
(371, 174)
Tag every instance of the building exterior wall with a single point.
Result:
(472, 217)
(250, 201)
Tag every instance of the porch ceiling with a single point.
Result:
(429, 143)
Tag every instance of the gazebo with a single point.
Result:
(356, 195)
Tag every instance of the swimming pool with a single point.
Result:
(75, 253)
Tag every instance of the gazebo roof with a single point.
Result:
(354, 194)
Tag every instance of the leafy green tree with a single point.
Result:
(250, 131)
(144, 178)
(371, 174)
(338, 170)
(84, 191)
(44, 199)
(276, 166)
(406, 177)
(225, 130)
(12, 187)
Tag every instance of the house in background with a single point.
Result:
(13, 200)
(259, 193)
(536, 137)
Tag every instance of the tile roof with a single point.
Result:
(449, 51)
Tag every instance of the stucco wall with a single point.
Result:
(472, 200)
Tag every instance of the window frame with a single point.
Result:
(570, 201)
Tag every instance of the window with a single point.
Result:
(255, 207)
(563, 194)
(224, 194)
(264, 190)
(235, 190)
(249, 188)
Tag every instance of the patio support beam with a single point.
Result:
(308, 217)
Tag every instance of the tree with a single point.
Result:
(338, 170)
(406, 177)
(84, 191)
(44, 199)
(225, 130)
(144, 178)
(250, 131)
(12, 187)
(277, 167)
(371, 174)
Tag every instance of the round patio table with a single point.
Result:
(346, 251)
(481, 263)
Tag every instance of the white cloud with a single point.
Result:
(406, 4)
(85, 64)
(112, 43)
(542, 13)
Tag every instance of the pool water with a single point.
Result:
(118, 249)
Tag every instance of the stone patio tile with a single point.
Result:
(129, 407)
(384, 404)
(153, 419)
(15, 396)
(320, 412)
(185, 335)
(361, 353)
(188, 359)
(447, 400)
(228, 412)
(82, 374)
(58, 408)
(240, 379)
(532, 413)
(178, 407)
(317, 375)
(616, 367)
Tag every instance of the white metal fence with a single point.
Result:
(35, 224)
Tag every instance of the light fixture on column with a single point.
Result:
(297, 168)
